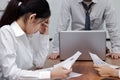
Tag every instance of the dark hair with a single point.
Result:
(14, 10)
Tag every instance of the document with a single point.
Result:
(98, 61)
(73, 74)
(69, 62)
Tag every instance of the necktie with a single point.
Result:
(87, 19)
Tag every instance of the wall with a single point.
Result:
(55, 10)
(3, 4)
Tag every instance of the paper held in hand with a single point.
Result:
(69, 62)
(98, 61)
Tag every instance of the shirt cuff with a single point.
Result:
(119, 73)
(45, 75)
(116, 50)
(55, 52)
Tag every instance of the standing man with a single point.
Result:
(88, 15)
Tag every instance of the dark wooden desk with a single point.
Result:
(85, 68)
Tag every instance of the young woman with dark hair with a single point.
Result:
(24, 41)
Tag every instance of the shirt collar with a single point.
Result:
(17, 29)
(95, 1)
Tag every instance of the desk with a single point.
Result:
(85, 68)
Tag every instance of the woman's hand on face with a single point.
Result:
(44, 27)
(104, 70)
(60, 73)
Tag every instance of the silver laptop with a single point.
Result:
(84, 41)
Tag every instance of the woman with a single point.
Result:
(24, 39)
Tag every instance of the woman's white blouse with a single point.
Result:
(20, 53)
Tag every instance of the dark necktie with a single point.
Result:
(87, 19)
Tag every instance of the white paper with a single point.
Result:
(69, 62)
(98, 61)
(73, 74)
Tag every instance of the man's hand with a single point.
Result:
(53, 56)
(113, 55)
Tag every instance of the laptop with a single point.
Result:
(84, 41)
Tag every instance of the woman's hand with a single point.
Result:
(60, 73)
(104, 70)
(44, 27)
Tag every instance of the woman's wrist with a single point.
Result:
(118, 73)
(52, 74)
(115, 73)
